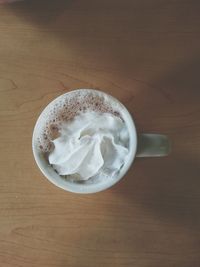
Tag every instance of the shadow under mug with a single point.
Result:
(140, 145)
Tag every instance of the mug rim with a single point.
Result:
(74, 187)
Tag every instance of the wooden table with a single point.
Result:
(145, 53)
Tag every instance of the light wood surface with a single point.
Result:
(145, 53)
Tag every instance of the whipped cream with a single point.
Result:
(90, 144)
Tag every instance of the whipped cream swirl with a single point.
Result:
(92, 143)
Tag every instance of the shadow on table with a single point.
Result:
(168, 187)
(41, 13)
(105, 29)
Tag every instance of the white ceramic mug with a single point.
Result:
(141, 145)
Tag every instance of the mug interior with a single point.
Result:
(82, 187)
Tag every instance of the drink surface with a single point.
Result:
(71, 106)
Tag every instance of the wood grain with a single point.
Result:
(145, 53)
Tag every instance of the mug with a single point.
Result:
(140, 145)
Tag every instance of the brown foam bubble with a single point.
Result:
(64, 109)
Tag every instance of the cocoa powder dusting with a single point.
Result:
(65, 110)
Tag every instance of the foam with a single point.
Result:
(65, 108)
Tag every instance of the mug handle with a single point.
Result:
(153, 145)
